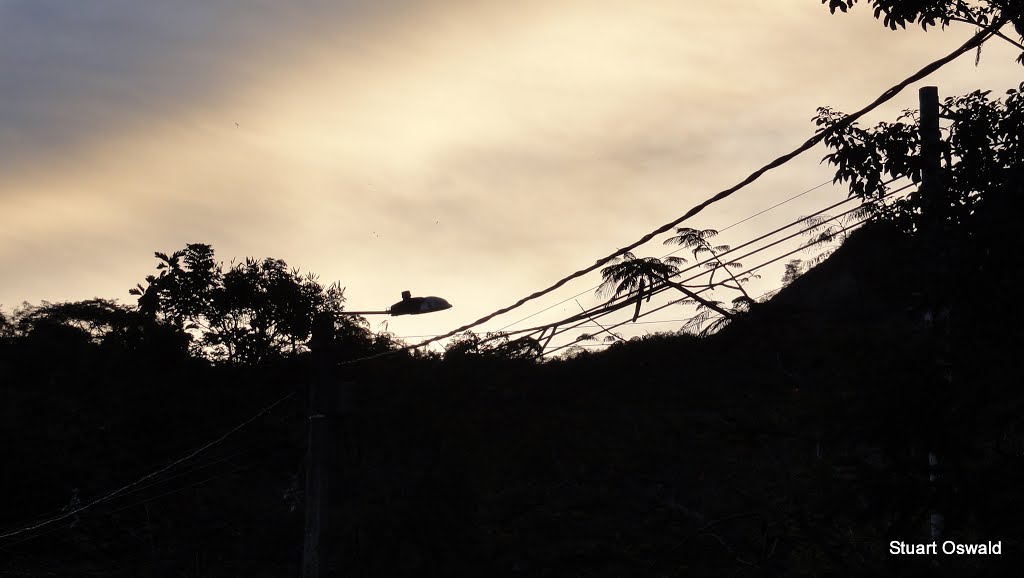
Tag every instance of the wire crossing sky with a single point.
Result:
(976, 41)
(469, 150)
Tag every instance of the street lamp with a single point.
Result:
(314, 556)
(409, 305)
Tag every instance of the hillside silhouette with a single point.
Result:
(794, 440)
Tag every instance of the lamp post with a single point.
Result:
(321, 424)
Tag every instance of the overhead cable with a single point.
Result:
(117, 492)
(975, 41)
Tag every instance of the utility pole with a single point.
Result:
(931, 169)
(328, 398)
(935, 230)
(314, 554)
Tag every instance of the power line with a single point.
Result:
(577, 317)
(584, 292)
(186, 472)
(606, 309)
(587, 326)
(625, 300)
(775, 206)
(115, 493)
(975, 41)
(151, 484)
(709, 288)
(748, 271)
(237, 469)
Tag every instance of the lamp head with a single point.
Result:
(410, 305)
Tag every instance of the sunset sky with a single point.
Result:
(477, 151)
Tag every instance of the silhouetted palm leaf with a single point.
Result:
(628, 273)
(693, 324)
(715, 326)
(697, 240)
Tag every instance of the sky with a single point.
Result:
(473, 150)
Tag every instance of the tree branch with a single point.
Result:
(698, 298)
(996, 33)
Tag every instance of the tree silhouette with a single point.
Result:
(629, 273)
(697, 240)
(493, 345)
(246, 312)
(6, 327)
(794, 268)
(93, 328)
(827, 233)
(956, 229)
(95, 319)
(983, 154)
(930, 13)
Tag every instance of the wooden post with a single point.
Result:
(937, 211)
(314, 554)
(931, 169)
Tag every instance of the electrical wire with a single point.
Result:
(236, 469)
(818, 137)
(498, 334)
(741, 221)
(151, 484)
(803, 247)
(620, 302)
(587, 326)
(978, 39)
(601, 311)
(708, 288)
(111, 495)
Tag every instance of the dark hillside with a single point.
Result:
(794, 442)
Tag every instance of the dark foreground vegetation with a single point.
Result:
(793, 442)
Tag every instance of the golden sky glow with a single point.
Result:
(472, 150)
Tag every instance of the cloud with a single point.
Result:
(73, 73)
(510, 142)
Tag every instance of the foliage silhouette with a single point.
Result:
(697, 240)
(6, 327)
(247, 312)
(494, 345)
(983, 156)
(949, 240)
(101, 323)
(794, 267)
(777, 446)
(629, 273)
(930, 13)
